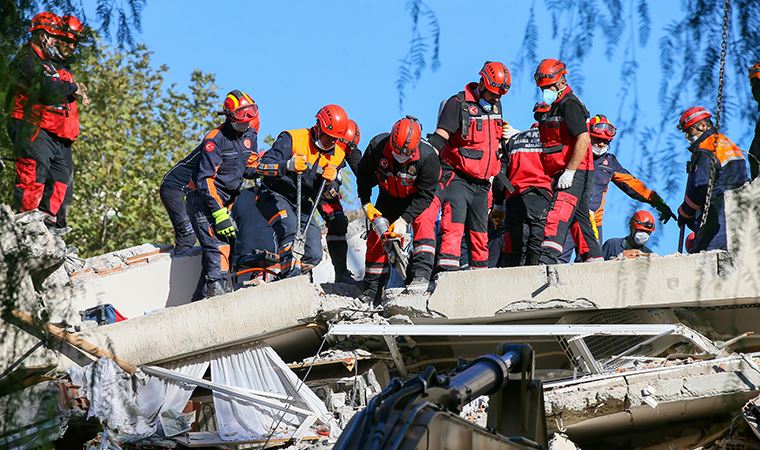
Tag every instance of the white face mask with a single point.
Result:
(319, 145)
(692, 139)
(640, 237)
(599, 150)
(485, 105)
(401, 158)
(240, 126)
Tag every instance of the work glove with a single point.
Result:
(398, 228)
(81, 94)
(566, 179)
(223, 223)
(497, 215)
(371, 212)
(684, 221)
(329, 172)
(297, 163)
(507, 131)
(665, 212)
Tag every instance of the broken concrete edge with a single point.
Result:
(610, 402)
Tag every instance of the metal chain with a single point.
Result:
(718, 113)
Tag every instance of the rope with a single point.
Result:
(718, 113)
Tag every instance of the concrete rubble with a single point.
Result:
(651, 392)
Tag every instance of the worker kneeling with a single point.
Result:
(640, 228)
(407, 171)
(301, 165)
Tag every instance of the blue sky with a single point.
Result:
(293, 57)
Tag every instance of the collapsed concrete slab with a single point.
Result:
(625, 403)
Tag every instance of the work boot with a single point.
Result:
(345, 277)
(218, 287)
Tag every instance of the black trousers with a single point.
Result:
(174, 202)
(526, 216)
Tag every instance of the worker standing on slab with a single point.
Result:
(312, 157)
(331, 209)
(608, 169)
(640, 227)
(407, 171)
(567, 158)
(716, 164)
(227, 155)
(470, 128)
(175, 186)
(43, 117)
(754, 149)
(527, 206)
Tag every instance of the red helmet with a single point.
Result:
(692, 116)
(541, 107)
(754, 71)
(72, 28)
(642, 221)
(548, 72)
(352, 133)
(240, 107)
(689, 242)
(333, 121)
(405, 136)
(601, 128)
(47, 22)
(496, 77)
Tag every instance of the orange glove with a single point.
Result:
(330, 172)
(297, 163)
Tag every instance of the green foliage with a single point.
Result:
(133, 132)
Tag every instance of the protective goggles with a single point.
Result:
(503, 87)
(404, 151)
(604, 129)
(647, 225)
(245, 114)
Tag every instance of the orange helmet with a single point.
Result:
(47, 22)
(405, 136)
(72, 28)
(548, 72)
(352, 133)
(240, 107)
(496, 77)
(691, 116)
(754, 71)
(642, 221)
(333, 121)
(601, 128)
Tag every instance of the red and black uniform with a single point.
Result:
(331, 210)
(43, 123)
(559, 129)
(225, 158)
(408, 191)
(469, 159)
(526, 207)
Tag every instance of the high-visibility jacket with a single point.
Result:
(608, 169)
(273, 164)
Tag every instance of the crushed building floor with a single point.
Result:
(699, 368)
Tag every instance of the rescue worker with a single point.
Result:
(567, 158)
(709, 150)
(227, 155)
(754, 149)
(526, 207)
(175, 186)
(608, 169)
(43, 118)
(468, 135)
(640, 227)
(316, 155)
(331, 209)
(407, 170)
